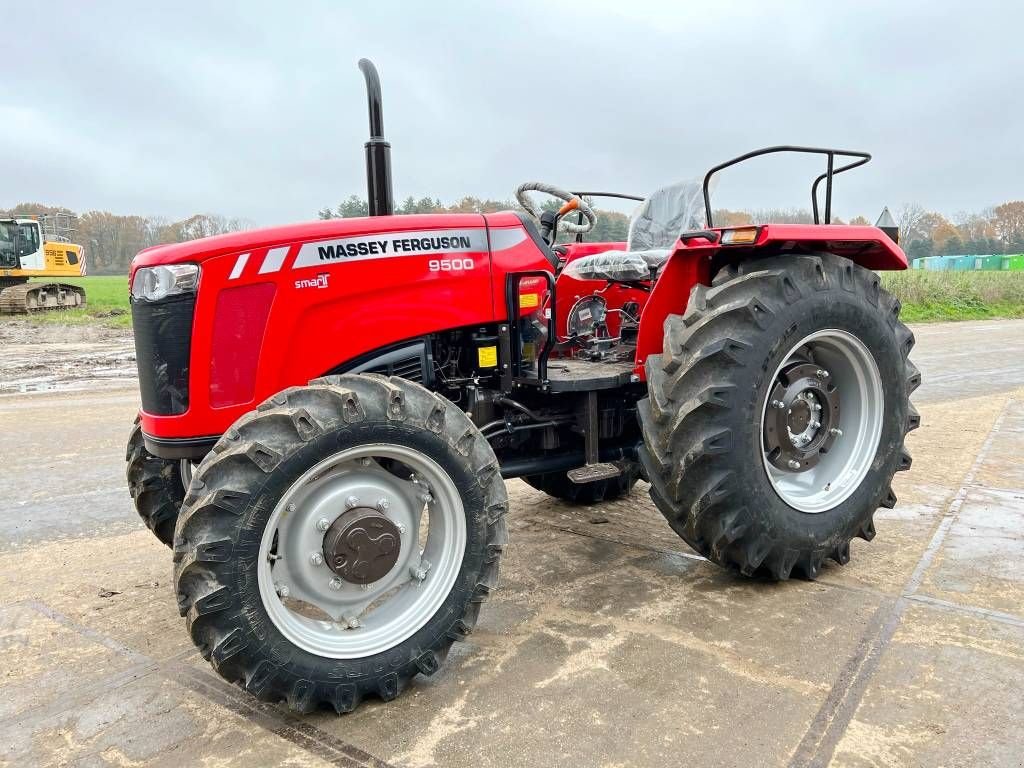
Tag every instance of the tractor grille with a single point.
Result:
(408, 361)
(163, 342)
(408, 368)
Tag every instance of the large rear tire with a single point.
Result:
(156, 487)
(777, 413)
(338, 540)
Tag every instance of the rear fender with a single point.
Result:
(695, 260)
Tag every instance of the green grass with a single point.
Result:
(926, 297)
(106, 302)
(933, 296)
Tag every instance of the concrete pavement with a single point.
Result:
(610, 643)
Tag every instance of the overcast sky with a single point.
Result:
(258, 111)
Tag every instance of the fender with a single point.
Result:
(695, 259)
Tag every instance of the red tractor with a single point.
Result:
(330, 410)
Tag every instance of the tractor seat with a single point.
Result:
(618, 266)
(654, 228)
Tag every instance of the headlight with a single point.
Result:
(155, 283)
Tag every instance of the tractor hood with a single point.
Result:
(198, 251)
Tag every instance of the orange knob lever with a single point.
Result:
(571, 205)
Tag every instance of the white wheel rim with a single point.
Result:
(185, 470)
(853, 370)
(390, 610)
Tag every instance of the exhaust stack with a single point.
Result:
(378, 151)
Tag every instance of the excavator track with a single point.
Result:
(24, 297)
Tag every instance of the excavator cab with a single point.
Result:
(18, 240)
(39, 247)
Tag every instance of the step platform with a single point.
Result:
(591, 473)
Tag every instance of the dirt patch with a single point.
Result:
(46, 358)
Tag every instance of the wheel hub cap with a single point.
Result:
(362, 546)
(803, 419)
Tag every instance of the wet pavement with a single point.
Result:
(610, 643)
(48, 357)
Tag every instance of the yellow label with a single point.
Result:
(487, 357)
(528, 300)
(528, 350)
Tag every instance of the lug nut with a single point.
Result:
(351, 501)
(383, 505)
(290, 508)
(419, 572)
(821, 374)
(778, 404)
(426, 498)
(365, 461)
(353, 623)
(836, 432)
(323, 524)
(401, 528)
(793, 464)
(335, 584)
(316, 559)
(282, 590)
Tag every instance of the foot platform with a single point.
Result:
(590, 473)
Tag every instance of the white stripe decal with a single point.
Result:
(505, 238)
(236, 272)
(273, 260)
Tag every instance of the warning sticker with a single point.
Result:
(487, 357)
(528, 300)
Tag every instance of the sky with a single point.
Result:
(257, 110)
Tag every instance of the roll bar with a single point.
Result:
(830, 172)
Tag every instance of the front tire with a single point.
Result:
(338, 540)
(742, 487)
(156, 486)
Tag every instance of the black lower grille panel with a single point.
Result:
(163, 343)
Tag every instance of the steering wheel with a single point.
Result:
(572, 203)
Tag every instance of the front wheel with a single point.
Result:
(157, 486)
(777, 413)
(338, 540)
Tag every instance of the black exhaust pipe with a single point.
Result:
(378, 151)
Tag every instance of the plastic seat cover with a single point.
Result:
(654, 228)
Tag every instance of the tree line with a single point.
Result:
(111, 240)
(611, 226)
(999, 229)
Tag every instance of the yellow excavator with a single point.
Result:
(39, 247)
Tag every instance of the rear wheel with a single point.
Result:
(338, 540)
(777, 413)
(157, 487)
